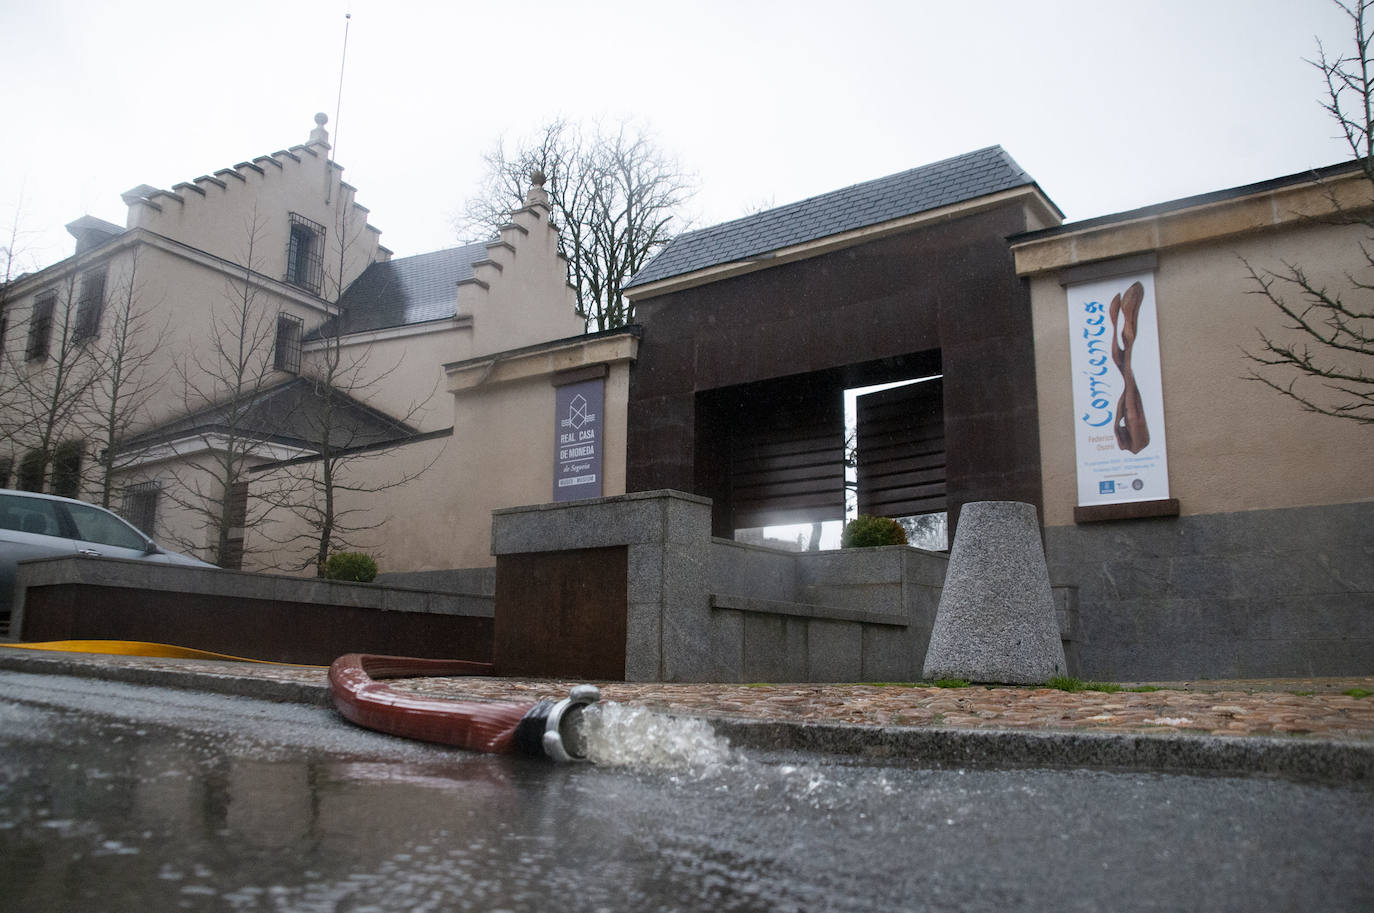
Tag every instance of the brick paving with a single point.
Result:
(1290, 707)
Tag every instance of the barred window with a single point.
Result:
(90, 306)
(232, 557)
(40, 327)
(305, 254)
(287, 356)
(140, 505)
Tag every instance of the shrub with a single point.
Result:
(865, 532)
(352, 566)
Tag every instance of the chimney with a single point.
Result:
(91, 232)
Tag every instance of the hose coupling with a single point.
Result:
(563, 736)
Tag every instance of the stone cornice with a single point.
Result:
(1196, 220)
(25, 285)
(542, 361)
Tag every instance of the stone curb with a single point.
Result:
(1298, 758)
(187, 679)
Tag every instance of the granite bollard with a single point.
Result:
(996, 619)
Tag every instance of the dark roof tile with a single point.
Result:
(405, 291)
(291, 413)
(954, 180)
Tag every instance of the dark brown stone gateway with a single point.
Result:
(753, 330)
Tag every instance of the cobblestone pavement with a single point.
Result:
(1315, 707)
(1219, 712)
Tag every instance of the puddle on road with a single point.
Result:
(96, 814)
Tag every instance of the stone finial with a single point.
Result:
(320, 134)
(537, 193)
(996, 620)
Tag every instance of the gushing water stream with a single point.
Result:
(617, 735)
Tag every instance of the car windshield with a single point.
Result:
(29, 515)
(95, 525)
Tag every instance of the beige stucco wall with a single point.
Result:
(197, 308)
(242, 214)
(501, 454)
(500, 410)
(502, 447)
(1233, 444)
(178, 299)
(400, 373)
(521, 296)
(191, 485)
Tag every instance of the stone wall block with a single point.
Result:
(727, 646)
(744, 570)
(834, 651)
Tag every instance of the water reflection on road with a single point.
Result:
(115, 798)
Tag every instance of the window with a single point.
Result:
(287, 356)
(6, 470)
(103, 528)
(30, 515)
(232, 557)
(305, 254)
(66, 469)
(40, 327)
(32, 467)
(140, 505)
(90, 306)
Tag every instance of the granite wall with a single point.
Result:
(1264, 593)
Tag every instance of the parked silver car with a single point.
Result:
(45, 526)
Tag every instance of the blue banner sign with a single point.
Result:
(577, 458)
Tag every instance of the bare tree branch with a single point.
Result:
(616, 196)
(125, 386)
(330, 493)
(1326, 364)
(227, 376)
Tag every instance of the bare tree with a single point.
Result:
(1326, 365)
(48, 383)
(616, 197)
(10, 257)
(124, 385)
(331, 492)
(220, 387)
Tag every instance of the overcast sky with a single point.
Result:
(1109, 105)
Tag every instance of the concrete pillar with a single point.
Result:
(996, 619)
(665, 535)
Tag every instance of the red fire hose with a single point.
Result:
(544, 728)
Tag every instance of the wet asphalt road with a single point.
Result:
(131, 798)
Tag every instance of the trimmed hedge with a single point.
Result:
(351, 566)
(866, 532)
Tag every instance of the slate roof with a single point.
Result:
(404, 291)
(289, 413)
(954, 180)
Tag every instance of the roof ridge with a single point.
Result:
(857, 184)
(949, 181)
(431, 253)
